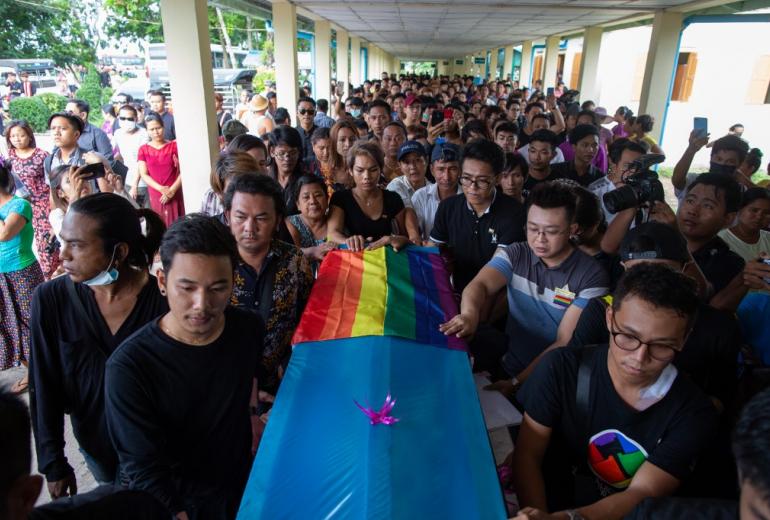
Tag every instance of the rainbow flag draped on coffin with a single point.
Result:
(370, 329)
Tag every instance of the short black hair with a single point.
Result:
(750, 444)
(198, 234)
(646, 122)
(355, 101)
(381, 104)
(15, 451)
(588, 209)
(589, 113)
(129, 97)
(724, 184)
(246, 142)
(736, 125)
(660, 286)
(320, 133)
(731, 143)
(281, 114)
(485, 151)
(619, 146)
(83, 106)
(544, 136)
(553, 195)
(474, 126)
(323, 105)
(255, 184)
(72, 118)
(307, 180)
(153, 118)
(507, 126)
(516, 160)
(530, 106)
(157, 93)
(754, 160)
(306, 99)
(582, 131)
(754, 194)
(119, 222)
(130, 109)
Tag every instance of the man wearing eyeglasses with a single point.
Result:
(306, 126)
(473, 225)
(606, 427)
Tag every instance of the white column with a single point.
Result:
(493, 63)
(588, 82)
(396, 66)
(525, 72)
(188, 50)
(285, 27)
(376, 61)
(508, 62)
(342, 61)
(323, 44)
(551, 61)
(661, 60)
(355, 61)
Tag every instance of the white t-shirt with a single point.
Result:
(403, 187)
(129, 144)
(425, 202)
(748, 252)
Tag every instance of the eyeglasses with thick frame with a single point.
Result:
(479, 184)
(630, 343)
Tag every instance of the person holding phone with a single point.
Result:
(158, 166)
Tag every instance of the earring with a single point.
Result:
(163, 292)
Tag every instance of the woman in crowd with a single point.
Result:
(640, 130)
(158, 163)
(320, 166)
(253, 146)
(367, 213)
(748, 237)
(19, 275)
(79, 319)
(749, 167)
(67, 186)
(308, 229)
(393, 136)
(342, 137)
(25, 161)
(228, 165)
(286, 163)
(108, 113)
(514, 175)
(621, 116)
(223, 116)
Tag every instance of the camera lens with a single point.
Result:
(622, 198)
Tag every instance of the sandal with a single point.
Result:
(20, 386)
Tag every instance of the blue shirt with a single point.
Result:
(538, 297)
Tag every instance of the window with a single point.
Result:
(684, 76)
(759, 86)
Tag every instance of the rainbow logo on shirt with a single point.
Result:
(615, 458)
(563, 297)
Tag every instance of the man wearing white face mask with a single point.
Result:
(78, 320)
(127, 139)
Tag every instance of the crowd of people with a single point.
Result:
(629, 333)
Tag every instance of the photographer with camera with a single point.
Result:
(727, 154)
(622, 153)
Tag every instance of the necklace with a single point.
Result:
(173, 336)
(367, 202)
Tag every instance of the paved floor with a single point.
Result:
(84, 478)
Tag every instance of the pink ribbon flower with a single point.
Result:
(383, 415)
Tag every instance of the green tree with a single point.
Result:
(55, 30)
(137, 20)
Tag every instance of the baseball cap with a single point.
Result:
(233, 129)
(411, 98)
(445, 152)
(654, 241)
(411, 147)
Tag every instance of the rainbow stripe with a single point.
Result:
(381, 293)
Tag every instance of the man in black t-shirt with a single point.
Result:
(473, 225)
(605, 428)
(180, 389)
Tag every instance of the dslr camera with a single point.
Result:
(641, 185)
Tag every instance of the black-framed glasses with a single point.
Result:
(480, 184)
(303, 111)
(629, 343)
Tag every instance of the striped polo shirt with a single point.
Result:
(538, 297)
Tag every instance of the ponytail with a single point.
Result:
(153, 229)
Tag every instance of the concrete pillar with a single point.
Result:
(377, 61)
(588, 80)
(355, 61)
(551, 61)
(323, 44)
(285, 27)
(525, 73)
(508, 62)
(493, 63)
(396, 66)
(342, 61)
(188, 50)
(659, 70)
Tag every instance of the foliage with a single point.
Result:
(137, 20)
(56, 30)
(54, 102)
(261, 78)
(33, 110)
(90, 90)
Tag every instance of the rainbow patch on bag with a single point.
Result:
(615, 458)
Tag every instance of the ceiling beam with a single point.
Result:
(474, 7)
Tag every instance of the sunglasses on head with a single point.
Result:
(304, 111)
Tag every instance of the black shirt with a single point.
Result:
(567, 170)
(66, 371)
(178, 414)
(358, 223)
(307, 146)
(474, 239)
(718, 263)
(606, 448)
(709, 357)
(530, 182)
